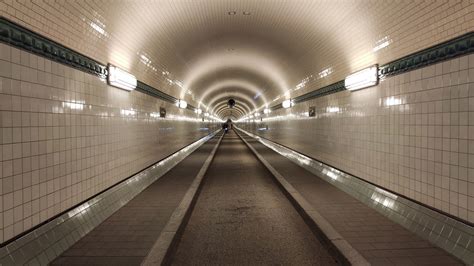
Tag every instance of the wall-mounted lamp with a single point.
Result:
(287, 103)
(362, 79)
(198, 111)
(206, 114)
(257, 114)
(181, 104)
(120, 78)
(267, 111)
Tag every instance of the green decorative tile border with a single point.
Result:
(147, 89)
(456, 47)
(459, 46)
(25, 39)
(330, 89)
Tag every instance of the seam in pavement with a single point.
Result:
(344, 251)
(165, 244)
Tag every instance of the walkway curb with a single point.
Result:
(313, 218)
(166, 242)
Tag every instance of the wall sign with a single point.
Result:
(162, 112)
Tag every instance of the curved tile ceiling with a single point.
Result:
(260, 51)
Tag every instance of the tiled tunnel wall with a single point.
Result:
(66, 135)
(409, 26)
(412, 134)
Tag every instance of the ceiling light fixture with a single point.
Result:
(182, 104)
(121, 79)
(287, 103)
(362, 79)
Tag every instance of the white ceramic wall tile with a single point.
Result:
(412, 134)
(295, 46)
(66, 135)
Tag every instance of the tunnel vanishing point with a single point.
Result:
(236, 132)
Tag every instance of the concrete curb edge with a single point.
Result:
(347, 253)
(164, 245)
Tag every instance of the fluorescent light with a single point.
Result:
(287, 103)
(362, 79)
(267, 111)
(182, 104)
(121, 79)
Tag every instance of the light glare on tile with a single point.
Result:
(326, 72)
(382, 43)
(332, 175)
(98, 28)
(75, 105)
(391, 101)
(127, 112)
(155, 115)
(362, 79)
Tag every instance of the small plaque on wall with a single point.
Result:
(162, 112)
(312, 111)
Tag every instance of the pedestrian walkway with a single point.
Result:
(126, 237)
(374, 236)
(243, 218)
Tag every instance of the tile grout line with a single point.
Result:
(334, 238)
(417, 218)
(45, 243)
(163, 247)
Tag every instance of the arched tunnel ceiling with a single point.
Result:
(224, 107)
(257, 51)
(240, 105)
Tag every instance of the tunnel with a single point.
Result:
(236, 132)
